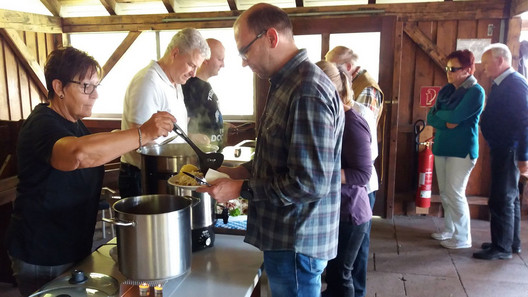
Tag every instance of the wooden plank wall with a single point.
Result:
(18, 92)
(419, 70)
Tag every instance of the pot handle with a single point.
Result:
(194, 200)
(119, 222)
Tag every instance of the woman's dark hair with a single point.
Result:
(465, 57)
(67, 63)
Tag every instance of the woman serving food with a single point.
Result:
(61, 171)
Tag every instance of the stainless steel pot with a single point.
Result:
(153, 236)
(160, 162)
(203, 212)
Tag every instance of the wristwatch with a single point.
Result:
(245, 190)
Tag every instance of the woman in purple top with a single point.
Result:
(356, 169)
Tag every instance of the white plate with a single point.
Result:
(172, 181)
(192, 188)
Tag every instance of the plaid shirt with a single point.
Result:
(371, 98)
(296, 178)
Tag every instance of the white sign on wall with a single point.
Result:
(476, 46)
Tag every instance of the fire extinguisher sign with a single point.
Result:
(428, 95)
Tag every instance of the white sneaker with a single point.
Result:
(453, 244)
(442, 235)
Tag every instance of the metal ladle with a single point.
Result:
(206, 160)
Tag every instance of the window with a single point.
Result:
(312, 44)
(233, 85)
(113, 87)
(366, 45)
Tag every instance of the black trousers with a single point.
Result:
(504, 204)
(129, 180)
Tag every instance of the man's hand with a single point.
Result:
(223, 189)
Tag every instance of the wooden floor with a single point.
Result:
(406, 261)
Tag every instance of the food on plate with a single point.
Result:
(184, 180)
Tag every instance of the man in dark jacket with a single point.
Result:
(504, 124)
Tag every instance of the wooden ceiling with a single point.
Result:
(84, 8)
(66, 16)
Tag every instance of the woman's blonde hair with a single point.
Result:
(341, 80)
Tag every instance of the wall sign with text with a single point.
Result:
(428, 95)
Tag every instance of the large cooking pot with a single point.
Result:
(153, 236)
(203, 212)
(160, 162)
(203, 216)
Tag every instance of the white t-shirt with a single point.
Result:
(151, 91)
(369, 117)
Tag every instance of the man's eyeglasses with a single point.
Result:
(88, 88)
(243, 51)
(453, 69)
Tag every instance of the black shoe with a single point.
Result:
(487, 245)
(491, 254)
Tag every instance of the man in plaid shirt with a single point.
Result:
(293, 183)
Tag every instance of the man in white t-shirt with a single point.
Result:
(157, 87)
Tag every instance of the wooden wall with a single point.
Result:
(20, 90)
(19, 93)
(419, 70)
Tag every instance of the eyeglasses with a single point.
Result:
(243, 51)
(452, 69)
(88, 89)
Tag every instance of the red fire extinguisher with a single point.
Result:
(425, 175)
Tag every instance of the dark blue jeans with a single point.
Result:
(292, 274)
(359, 274)
(504, 204)
(129, 180)
(339, 270)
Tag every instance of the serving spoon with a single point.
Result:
(206, 160)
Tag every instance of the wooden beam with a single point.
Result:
(456, 10)
(512, 40)
(232, 5)
(23, 21)
(392, 119)
(28, 61)
(168, 5)
(425, 44)
(518, 7)
(119, 52)
(110, 6)
(53, 6)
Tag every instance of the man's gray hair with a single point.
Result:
(187, 40)
(500, 50)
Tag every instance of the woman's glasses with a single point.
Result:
(88, 88)
(453, 69)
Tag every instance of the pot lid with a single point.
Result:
(80, 284)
